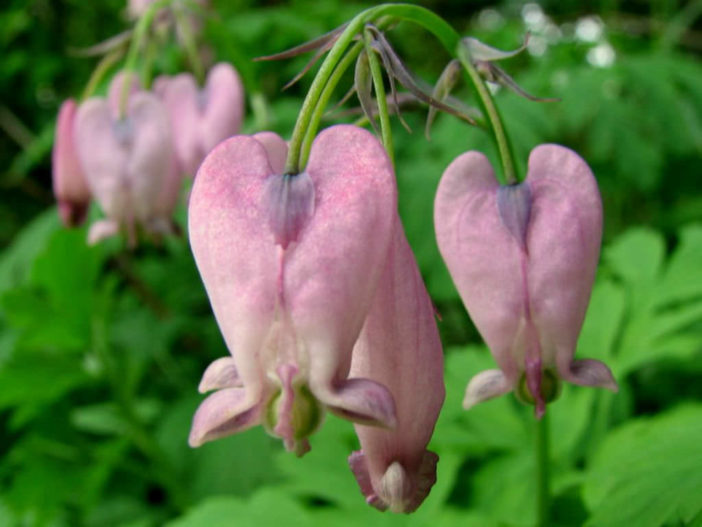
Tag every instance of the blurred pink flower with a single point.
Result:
(291, 263)
(202, 117)
(523, 258)
(127, 160)
(400, 348)
(70, 186)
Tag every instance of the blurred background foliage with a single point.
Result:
(101, 349)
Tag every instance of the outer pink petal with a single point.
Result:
(400, 348)
(69, 182)
(103, 158)
(150, 162)
(180, 95)
(276, 147)
(114, 93)
(234, 250)
(564, 245)
(332, 272)
(224, 413)
(482, 257)
(223, 110)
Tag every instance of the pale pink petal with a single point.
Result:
(116, 90)
(332, 271)
(277, 149)
(101, 230)
(180, 95)
(399, 347)
(235, 251)
(69, 182)
(483, 258)
(224, 413)
(590, 372)
(564, 243)
(485, 385)
(219, 374)
(223, 106)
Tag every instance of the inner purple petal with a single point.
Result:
(290, 202)
(514, 206)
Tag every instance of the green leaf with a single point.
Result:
(647, 472)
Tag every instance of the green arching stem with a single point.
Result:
(380, 97)
(318, 110)
(140, 33)
(509, 174)
(542, 473)
(99, 72)
(190, 45)
(433, 23)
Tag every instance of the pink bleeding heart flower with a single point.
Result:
(126, 159)
(290, 263)
(400, 348)
(523, 258)
(202, 118)
(70, 186)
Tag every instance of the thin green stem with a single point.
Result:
(140, 33)
(185, 28)
(100, 70)
(542, 472)
(433, 23)
(318, 111)
(509, 174)
(381, 99)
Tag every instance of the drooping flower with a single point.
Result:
(126, 159)
(290, 263)
(400, 348)
(523, 258)
(69, 182)
(202, 118)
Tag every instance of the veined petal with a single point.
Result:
(564, 244)
(332, 271)
(234, 249)
(400, 348)
(224, 413)
(485, 261)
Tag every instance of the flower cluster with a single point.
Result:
(321, 304)
(130, 150)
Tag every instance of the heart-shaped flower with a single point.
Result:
(523, 258)
(127, 159)
(291, 263)
(400, 348)
(202, 117)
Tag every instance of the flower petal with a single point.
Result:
(69, 182)
(224, 108)
(590, 372)
(332, 272)
(482, 257)
(485, 385)
(235, 251)
(219, 374)
(224, 413)
(564, 243)
(277, 149)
